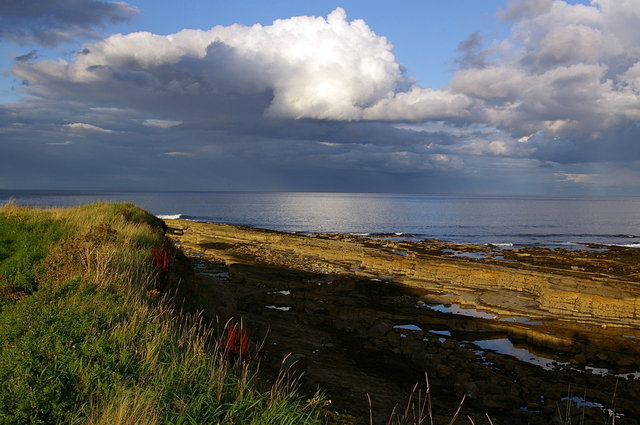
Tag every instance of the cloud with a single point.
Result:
(50, 22)
(565, 84)
(185, 154)
(32, 55)
(576, 178)
(315, 103)
(302, 67)
(472, 54)
(524, 9)
(80, 126)
(419, 104)
(161, 123)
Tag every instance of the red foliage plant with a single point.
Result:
(161, 258)
(238, 342)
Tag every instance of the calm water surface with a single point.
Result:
(546, 221)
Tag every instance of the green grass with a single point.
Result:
(86, 338)
(23, 243)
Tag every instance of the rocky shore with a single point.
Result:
(528, 335)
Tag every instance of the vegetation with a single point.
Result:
(87, 337)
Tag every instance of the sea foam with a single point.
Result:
(169, 216)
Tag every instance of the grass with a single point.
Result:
(23, 243)
(86, 337)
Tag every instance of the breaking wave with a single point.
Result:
(169, 216)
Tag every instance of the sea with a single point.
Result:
(505, 221)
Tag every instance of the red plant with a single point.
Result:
(238, 342)
(162, 261)
(232, 340)
(245, 343)
(161, 258)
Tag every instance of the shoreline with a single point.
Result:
(336, 298)
(400, 236)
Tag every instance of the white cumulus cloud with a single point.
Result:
(566, 82)
(311, 67)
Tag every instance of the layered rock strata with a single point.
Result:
(503, 288)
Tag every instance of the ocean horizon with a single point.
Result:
(569, 222)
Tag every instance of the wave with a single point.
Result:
(205, 219)
(393, 235)
(628, 245)
(545, 235)
(169, 216)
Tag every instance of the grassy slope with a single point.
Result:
(85, 337)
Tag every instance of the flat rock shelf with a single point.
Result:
(523, 333)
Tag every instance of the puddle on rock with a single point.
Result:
(472, 312)
(522, 320)
(630, 375)
(408, 327)
(475, 255)
(580, 403)
(283, 308)
(456, 309)
(221, 275)
(506, 347)
(601, 371)
(284, 292)
(444, 333)
(501, 258)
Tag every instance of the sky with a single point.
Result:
(530, 97)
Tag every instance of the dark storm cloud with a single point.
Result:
(619, 144)
(49, 22)
(275, 154)
(132, 154)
